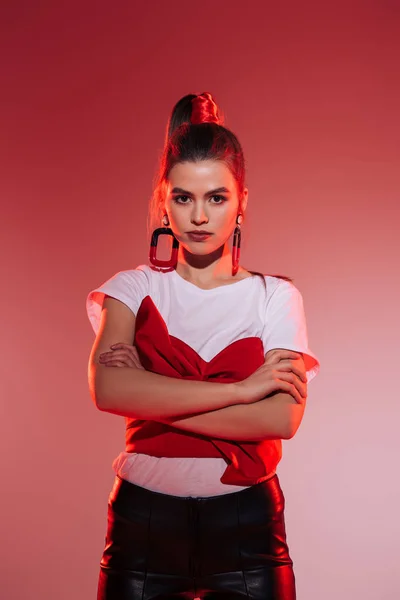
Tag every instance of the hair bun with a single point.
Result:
(205, 110)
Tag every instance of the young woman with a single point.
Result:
(196, 509)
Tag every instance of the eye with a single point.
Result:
(222, 198)
(176, 199)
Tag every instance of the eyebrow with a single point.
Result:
(178, 190)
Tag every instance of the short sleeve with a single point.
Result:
(130, 287)
(285, 325)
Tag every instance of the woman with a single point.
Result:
(196, 509)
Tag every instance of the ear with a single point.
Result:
(245, 197)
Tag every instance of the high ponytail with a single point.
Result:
(205, 110)
(193, 109)
(195, 131)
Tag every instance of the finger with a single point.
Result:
(117, 353)
(301, 374)
(116, 363)
(274, 356)
(136, 358)
(122, 355)
(294, 392)
(296, 367)
(293, 380)
(301, 387)
(284, 353)
(300, 399)
(114, 354)
(123, 358)
(133, 353)
(131, 350)
(288, 388)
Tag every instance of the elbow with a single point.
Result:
(96, 386)
(292, 420)
(98, 400)
(102, 399)
(289, 432)
(100, 405)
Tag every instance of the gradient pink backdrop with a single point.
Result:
(312, 92)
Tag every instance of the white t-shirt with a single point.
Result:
(208, 321)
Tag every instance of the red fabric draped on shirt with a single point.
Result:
(247, 462)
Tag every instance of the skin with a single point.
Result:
(208, 263)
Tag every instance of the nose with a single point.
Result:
(199, 215)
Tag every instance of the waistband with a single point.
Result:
(124, 490)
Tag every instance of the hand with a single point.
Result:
(282, 371)
(121, 355)
(275, 357)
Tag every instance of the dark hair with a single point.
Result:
(195, 132)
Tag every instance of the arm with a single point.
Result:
(277, 416)
(141, 394)
(138, 393)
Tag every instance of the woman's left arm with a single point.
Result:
(277, 416)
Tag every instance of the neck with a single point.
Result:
(208, 268)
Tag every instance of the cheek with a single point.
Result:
(225, 218)
(179, 220)
(178, 217)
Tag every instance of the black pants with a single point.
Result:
(160, 546)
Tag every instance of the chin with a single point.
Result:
(199, 251)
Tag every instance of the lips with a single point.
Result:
(199, 236)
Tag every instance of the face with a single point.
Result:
(202, 196)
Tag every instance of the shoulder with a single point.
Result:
(283, 301)
(280, 288)
(138, 278)
(129, 286)
(139, 273)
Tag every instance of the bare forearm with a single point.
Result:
(275, 417)
(141, 394)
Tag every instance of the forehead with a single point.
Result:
(201, 175)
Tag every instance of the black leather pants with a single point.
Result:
(160, 546)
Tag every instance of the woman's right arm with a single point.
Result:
(141, 394)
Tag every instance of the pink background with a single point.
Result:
(313, 94)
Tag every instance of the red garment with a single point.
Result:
(248, 462)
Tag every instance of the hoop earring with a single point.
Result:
(173, 259)
(237, 237)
